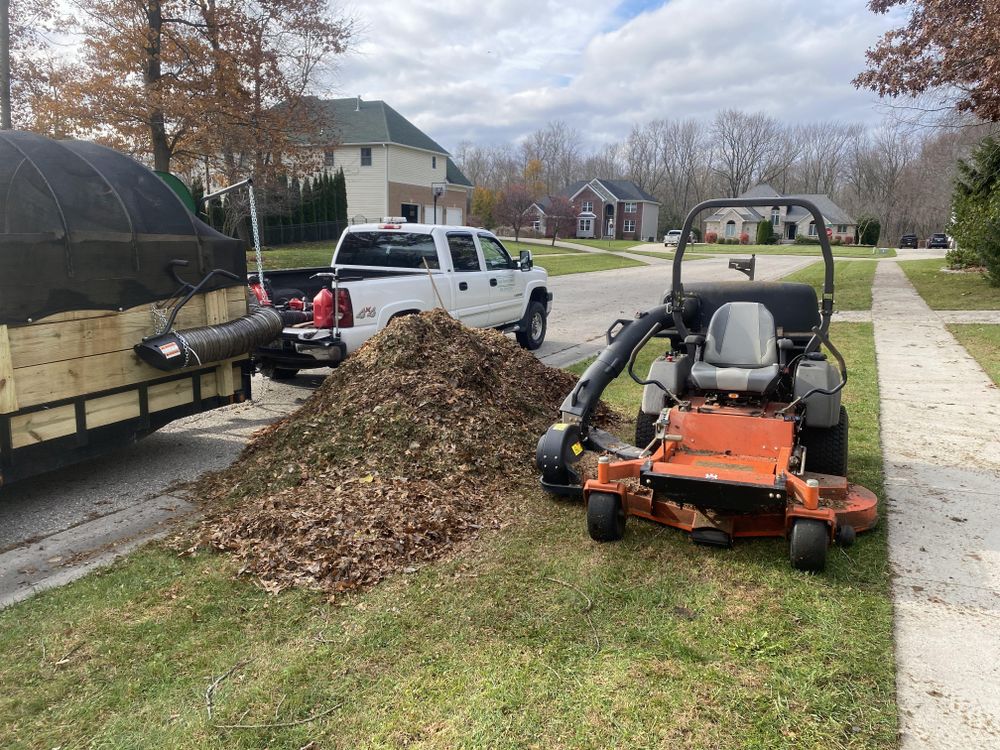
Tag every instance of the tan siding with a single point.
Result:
(412, 167)
(365, 185)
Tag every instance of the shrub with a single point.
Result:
(711, 236)
(744, 239)
(848, 239)
(976, 207)
(836, 240)
(963, 257)
(802, 239)
(765, 233)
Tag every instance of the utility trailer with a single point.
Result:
(103, 271)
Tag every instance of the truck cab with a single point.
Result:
(382, 270)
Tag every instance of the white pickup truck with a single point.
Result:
(384, 270)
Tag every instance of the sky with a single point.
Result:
(493, 71)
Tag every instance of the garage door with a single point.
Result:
(454, 216)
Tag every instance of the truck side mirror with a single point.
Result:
(525, 261)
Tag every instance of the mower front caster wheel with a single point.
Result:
(808, 543)
(605, 517)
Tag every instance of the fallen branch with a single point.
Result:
(585, 611)
(215, 683)
(281, 724)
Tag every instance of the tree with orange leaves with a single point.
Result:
(948, 46)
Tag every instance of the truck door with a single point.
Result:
(506, 283)
(470, 283)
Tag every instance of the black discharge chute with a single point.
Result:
(83, 227)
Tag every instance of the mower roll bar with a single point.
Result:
(826, 306)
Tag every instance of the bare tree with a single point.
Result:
(747, 148)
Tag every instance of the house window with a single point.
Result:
(588, 207)
(730, 228)
(812, 229)
(775, 217)
(328, 158)
(630, 208)
(366, 156)
(842, 228)
(536, 225)
(629, 224)
(585, 225)
(434, 162)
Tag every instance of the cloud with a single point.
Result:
(494, 72)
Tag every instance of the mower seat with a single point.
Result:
(740, 352)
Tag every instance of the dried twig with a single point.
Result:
(280, 724)
(216, 682)
(65, 659)
(278, 707)
(585, 611)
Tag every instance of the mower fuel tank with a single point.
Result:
(672, 371)
(821, 410)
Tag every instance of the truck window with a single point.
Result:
(495, 254)
(464, 256)
(388, 249)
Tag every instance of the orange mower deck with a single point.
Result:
(727, 469)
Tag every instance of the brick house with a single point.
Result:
(787, 223)
(616, 209)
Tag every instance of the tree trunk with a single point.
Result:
(152, 77)
(5, 120)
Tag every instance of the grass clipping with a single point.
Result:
(422, 438)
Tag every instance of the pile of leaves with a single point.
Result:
(422, 438)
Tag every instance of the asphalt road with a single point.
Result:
(58, 520)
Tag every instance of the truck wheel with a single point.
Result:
(826, 447)
(605, 517)
(533, 326)
(269, 370)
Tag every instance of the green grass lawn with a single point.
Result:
(560, 265)
(839, 251)
(605, 244)
(668, 256)
(684, 646)
(514, 248)
(293, 257)
(852, 282)
(944, 290)
(982, 341)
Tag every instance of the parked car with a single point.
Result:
(394, 268)
(908, 240)
(938, 241)
(673, 237)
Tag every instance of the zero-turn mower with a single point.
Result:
(740, 433)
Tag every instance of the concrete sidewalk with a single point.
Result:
(940, 425)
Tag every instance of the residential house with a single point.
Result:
(390, 165)
(787, 222)
(617, 209)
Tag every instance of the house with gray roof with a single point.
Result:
(787, 222)
(617, 209)
(390, 165)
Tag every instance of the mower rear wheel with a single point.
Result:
(826, 447)
(808, 543)
(645, 428)
(605, 517)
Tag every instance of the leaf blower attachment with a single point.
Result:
(174, 350)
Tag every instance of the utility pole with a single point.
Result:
(5, 123)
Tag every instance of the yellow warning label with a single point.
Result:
(560, 426)
(577, 449)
